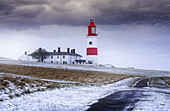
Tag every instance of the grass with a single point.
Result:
(21, 83)
(62, 74)
(11, 86)
(167, 80)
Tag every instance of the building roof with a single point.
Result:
(80, 60)
(64, 53)
(59, 52)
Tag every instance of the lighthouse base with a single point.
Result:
(92, 59)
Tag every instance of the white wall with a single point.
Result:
(54, 59)
(92, 58)
(60, 59)
(93, 39)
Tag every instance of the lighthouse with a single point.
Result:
(92, 49)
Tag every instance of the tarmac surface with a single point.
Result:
(121, 100)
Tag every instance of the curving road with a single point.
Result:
(118, 101)
(122, 100)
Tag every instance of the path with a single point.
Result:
(122, 100)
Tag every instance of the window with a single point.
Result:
(64, 62)
(63, 57)
(51, 61)
(57, 57)
(93, 30)
(90, 43)
(51, 57)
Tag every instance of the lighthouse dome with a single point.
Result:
(91, 24)
(92, 29)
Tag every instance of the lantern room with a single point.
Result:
(92, 29)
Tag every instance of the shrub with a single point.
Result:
(11, 96)
(27, 91)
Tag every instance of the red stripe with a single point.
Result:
(90, 34)
(92, 51)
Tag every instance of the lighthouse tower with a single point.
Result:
(92, 50)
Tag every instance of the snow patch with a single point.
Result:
(72, 98)
(153, 101)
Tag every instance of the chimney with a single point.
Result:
(54, 50)
(59, 49)
(68, 50)
(74, 51)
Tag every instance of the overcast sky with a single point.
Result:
(133, 33)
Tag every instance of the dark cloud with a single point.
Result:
(135, 12)
(28, 13)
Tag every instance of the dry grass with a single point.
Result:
(11, 86)
(167, 80)
(62, 74)
(21, 82)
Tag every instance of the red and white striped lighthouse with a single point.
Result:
(92, 50)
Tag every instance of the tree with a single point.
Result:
(40, 54)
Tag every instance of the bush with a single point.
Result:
(27, 91)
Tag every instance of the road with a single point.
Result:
(122, 100)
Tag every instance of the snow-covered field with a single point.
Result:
(155, 99)
(75, 98)
(11, 87)
(78, 98)
(114, 70)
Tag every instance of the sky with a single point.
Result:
(132, 33)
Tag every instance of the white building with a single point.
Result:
(65, 57)
(68, 57)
